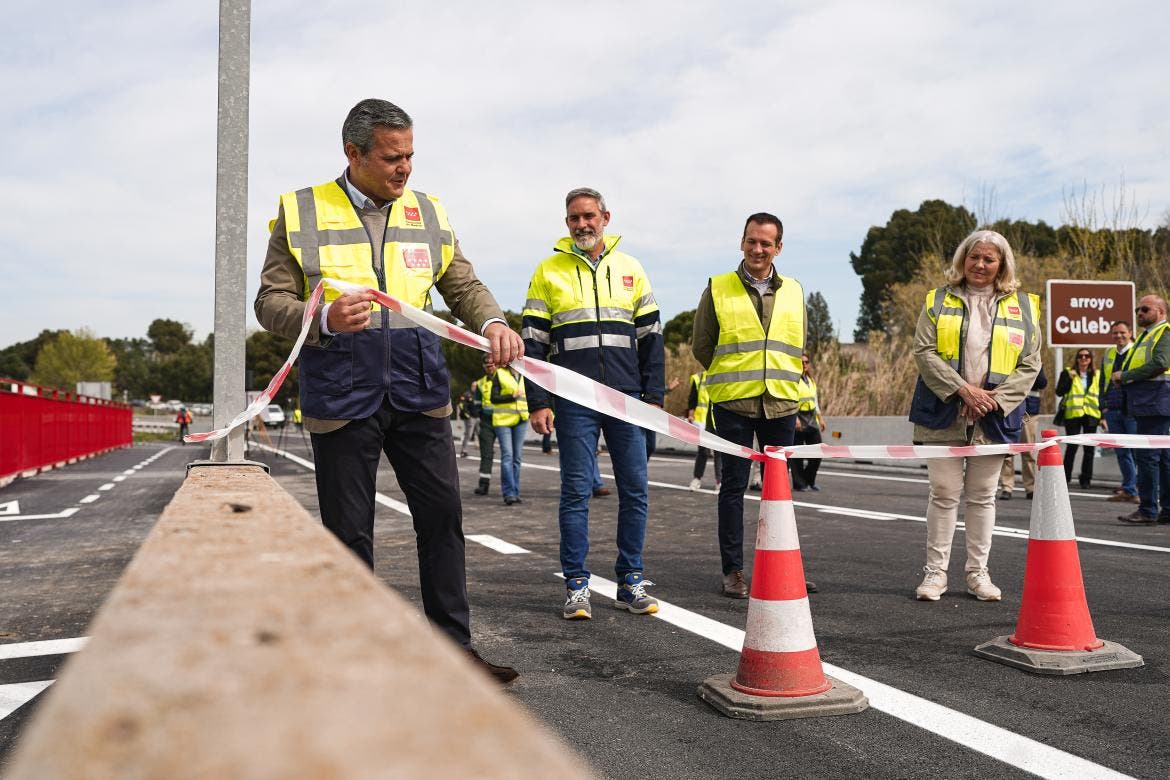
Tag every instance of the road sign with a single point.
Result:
(1080, 312)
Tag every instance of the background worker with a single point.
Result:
(1145, 378)
(1007, 473)
(509, 413)
(362, 388)
(809, 425)
(1114, 417)
(468, 417)
(590, 309)
(1077, 388)
(698, 412)
(183, 418)
(482, 393)
(749, 334)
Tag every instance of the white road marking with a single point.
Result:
(43, 647)
(90, 498)
(499, 545)
(999, 743)
(128, 472)
(10, 508)
(120, 478)
(16, 695)
(107, 486)
(1016, 533)
(63, 513)
(381, 498)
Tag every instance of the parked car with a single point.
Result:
(272, 416)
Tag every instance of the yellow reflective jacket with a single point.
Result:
(509, 407)
(702, 397)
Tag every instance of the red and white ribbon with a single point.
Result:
(584, 391)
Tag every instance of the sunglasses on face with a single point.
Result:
(1084, 357)
(1141, 310)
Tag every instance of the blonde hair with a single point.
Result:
(1005, 280)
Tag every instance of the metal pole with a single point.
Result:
(231, 223)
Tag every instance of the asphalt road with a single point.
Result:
(620, 688)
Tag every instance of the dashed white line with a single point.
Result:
(120, 478)
(107, 486)
(62, 514)
(90, 498)
(16, 695)
(381, 498)
(494, 543)
(43, 647)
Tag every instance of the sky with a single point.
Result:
(686, 116)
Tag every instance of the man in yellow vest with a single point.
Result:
(370, 380)
(749, 334)
(590, 309)
(509, 413)
(1145, 378)
(809, 425)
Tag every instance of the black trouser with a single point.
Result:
(1072, 428)
(701, 463)
(804, 470)
(487, 446)
(740, 430)
(421, 451)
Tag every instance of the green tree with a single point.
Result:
(17, 361)
(891, 254)
(679, 329)
(820, 325)
(74, 357)
(168, 336)
(134, 374)
(264, 354)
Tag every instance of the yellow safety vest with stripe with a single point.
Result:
(808, 395)
(485, 396)
(1012, 330)
(702, 397)
(509, 413)
(1081, 402)
(327, 238)
(748, 362)
(1150, 397)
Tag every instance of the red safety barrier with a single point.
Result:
(41, 427)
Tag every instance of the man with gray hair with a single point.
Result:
(590, 309)
(371, 381)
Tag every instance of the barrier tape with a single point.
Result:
(584, 391)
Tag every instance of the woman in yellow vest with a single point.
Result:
(509, 412)
(977, 348)
(1078, 388)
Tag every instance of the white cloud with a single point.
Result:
(687, 116)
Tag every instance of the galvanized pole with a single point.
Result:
(231, 223)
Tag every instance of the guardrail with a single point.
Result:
(41, 428)
(244, 641)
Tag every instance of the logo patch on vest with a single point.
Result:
(1014, 310)
(412, 216)
(416, 257)
(1016, 338)
(628, 282)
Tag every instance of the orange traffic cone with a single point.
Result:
(1054, 631)
(780, 674)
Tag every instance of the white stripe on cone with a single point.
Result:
(1052, 518)
(779, 626)
(777, 527)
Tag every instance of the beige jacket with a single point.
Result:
(944, 381)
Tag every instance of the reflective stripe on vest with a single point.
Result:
(702, 396)
(1140, 353)
(327, 238)
(1014, 327)
(747, 363)
(808, 395)
(1080, 402)
(513, 412)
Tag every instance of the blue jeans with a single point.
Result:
(1120, 423)
(511, 439)
(779, 431)
(577, 430)
(1153, 468)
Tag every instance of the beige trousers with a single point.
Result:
(1007, 477)
(950, 478)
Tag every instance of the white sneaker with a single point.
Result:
(934, 584)
(696, 484)
(980, 586)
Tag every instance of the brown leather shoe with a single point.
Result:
(501, 674)
(601, 491)
(734, 585)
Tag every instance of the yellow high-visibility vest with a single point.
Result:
(702, 397)
(1139, 353)
(327, 238)
(1014, 327)
(748, 363)
(808, 395)
(513, 412)
(1079, 401)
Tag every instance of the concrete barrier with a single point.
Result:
(244, 641)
